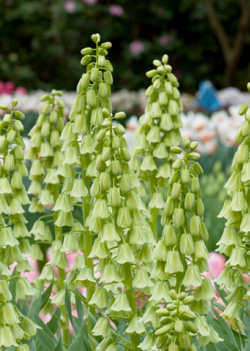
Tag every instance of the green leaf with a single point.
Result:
(59, 346)
(77, 344)
(79, 309)
(54, 323)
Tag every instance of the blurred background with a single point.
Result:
(205, 39)
(208, 43)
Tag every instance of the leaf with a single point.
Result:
(44, 335)
(77, 344)
(54, 323)
(59, 346)
(79, 309)
(74, 321)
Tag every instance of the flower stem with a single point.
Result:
(61, 278)
(88, 260)
(135, 338)
(154, 211)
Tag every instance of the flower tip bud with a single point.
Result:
(44, 98)
(14, 102)
(193, 145)
(120, 115)
(151, 74)
(106, 45)
(176, 149)
(186, 142)
(248, 86)
(165, 58)
(156, 63)
(96, 38)
(105, 112)
(3, 107)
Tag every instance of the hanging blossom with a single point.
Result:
(235, 239)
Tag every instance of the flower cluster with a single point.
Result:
(158, 131)
(125, 241)
(181, 258)
(235, 239)
(13, 232)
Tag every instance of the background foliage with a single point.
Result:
(41, 40)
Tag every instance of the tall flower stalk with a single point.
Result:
(78, 164)
(45, 152)
(181, 257)
(124, 240)
(14, 242)
(158, 131)
(235, 239)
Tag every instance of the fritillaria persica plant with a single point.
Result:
(134, 284)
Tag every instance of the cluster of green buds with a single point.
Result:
(79, 165)
(181, 258)
(234, 242)
(158, 130)
(124, 240)
(14, 235)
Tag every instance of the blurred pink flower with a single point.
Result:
(136, 47)
(90, 2)
(1, 87)
(116, 10)
(69, 6)
(216, 263)
(9, 87)
(164, 40)
(21, 90)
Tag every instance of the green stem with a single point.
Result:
(154, 211)
(61, 278)
(88, 260)
(135, 338)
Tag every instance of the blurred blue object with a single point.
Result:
(207, 96)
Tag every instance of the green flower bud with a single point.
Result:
(189, 201)
(105, 181)
(125, 183)
(109, 233)
(120, 130)
(53, 117)
(124, 218)
(169, 235)
(185, 176)
(178, 326)
(173, 108)
(135, 326)
(121, 303)
(185, 341)
(46, 150)
(243, 109)
(116, 167)
(156, 201)
(156, 110)
(163, 330)
(9, 163)
(195, 185)
(85, 60)
(192, 276)
(187, 244)
(157, 84)
(94, 74)
(238, 201)
(201, 250)
(7, 118)
(108, 77)
(100, 209)
(195, 225)
(151, 74)
(173, 263)
(200, 207)
(91, 98)
(3, 142)
(173, 347)
(11, 136)
(5, 187)
(163, 98)
(87, 145)
(179, 217)
(242, 153)
(176, 190)
(120, 115)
